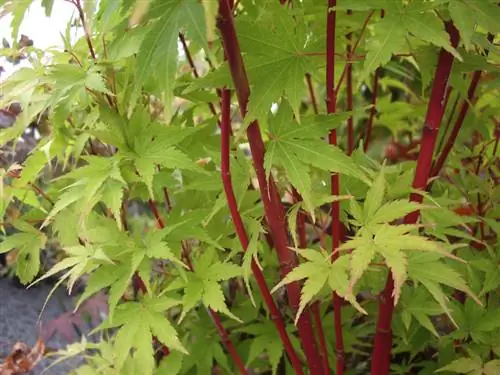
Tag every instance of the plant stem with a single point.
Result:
(453, 109)
(193, 68)
(381, 356)
(350, 125)
(362, 31)
(476, 76)
(373, 110)
(301, 234)
(272, 204)
(275, 314)
(331, 106)
(88, 39)
(311, 93)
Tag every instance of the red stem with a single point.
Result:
(476, 76)
(273, 208)
(275, 314)
(362, 31)
(350, 125)
(301, 232)
(381, 356)
(311, 93)
(373, 110)
(453, 110)
(190, 60)
(331, 104)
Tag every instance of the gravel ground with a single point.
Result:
(19, 312)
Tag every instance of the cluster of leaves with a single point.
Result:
(130, 127)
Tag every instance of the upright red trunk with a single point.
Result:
(381, 356)
(274, 312)
(460, 120)
(273, 208)
(331, 106)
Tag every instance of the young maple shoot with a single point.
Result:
(274, 187)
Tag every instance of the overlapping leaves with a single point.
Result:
(389, 34)
(377, 238)
(275, 61)
(298, 147)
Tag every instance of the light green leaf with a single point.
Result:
(389, 38)
(311, 287)
(193, 294)
(163, 330)
(428, 27)
(461, 366)
(374, 197)
(462, 19)
(213, 297)
(325, 156)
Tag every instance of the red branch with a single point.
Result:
(373, 110)
(362, 31)
(311, 93)
(274, 210)
(193, 67)
(476, 76)
(350, 125)
(275, 314)
(381, 356)
(331, 104)
(301, 233)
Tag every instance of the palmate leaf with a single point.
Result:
(297, 172)
(464, 366)
(432, 272)
(416, 304)
(142, 319)
(203, 285)
(28, 245)
(468, 13)
(276, 43)
(319, 271)
(88, 186)
(158, 55)
(374, 196)
(273, 78)
(393, 243)
(265, 340)
(389, 38)
(294, 146)
(390, 33)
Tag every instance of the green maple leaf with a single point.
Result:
(391, 32)
(432, 272)
(28, 244)
(275, 61)
(466, 14)
(463, 366)
(415, 304)
(318, 272)
(265, 339)
(389, 38)
(88, 185)
(158, 55)
(296, 147)
(393, 243)
(143, 319)
(203, 285)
